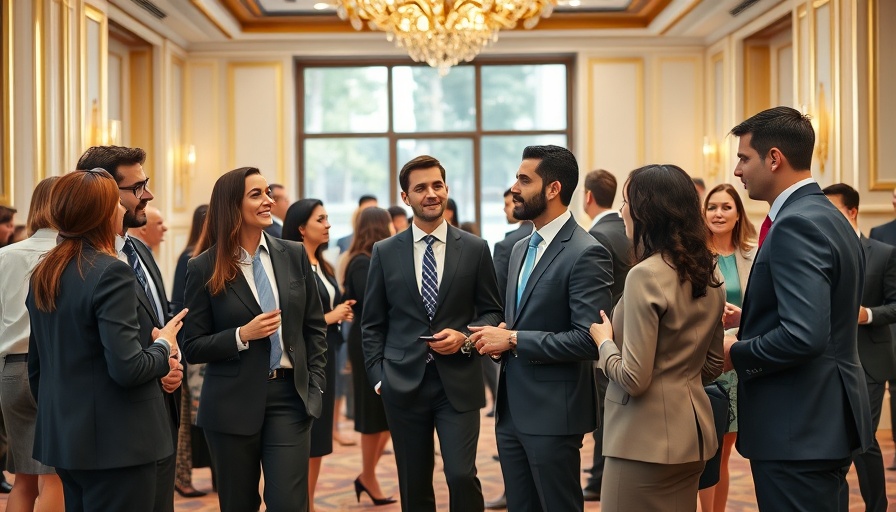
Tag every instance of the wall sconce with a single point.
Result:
(711, 156)
(822, 127)
(113, 137)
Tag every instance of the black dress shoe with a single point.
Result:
(591, 495)
(498, 504)
(5, 487)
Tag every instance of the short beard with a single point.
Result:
(131, 220)
(529, 210)
(420, 213)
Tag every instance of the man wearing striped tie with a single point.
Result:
(126, 166)
(425, 287)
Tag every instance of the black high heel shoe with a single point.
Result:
(189, 492)
(359, 488)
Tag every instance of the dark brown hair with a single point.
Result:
(663, 205)
(421, 162)
(83, 208)
(602, 185)
(41, 199)
(372, 226)
(222, 227)
(744, 232)
(196, 227)
(297, 216)
(110, 158)
(784, 128)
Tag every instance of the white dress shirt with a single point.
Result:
(16, 263)
(548, 233)
(779, 201)
(438, 249)
(248, 273)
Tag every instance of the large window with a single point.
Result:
(360, 123)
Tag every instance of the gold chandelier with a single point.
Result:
(443, 33)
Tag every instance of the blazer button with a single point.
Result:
(291, 349)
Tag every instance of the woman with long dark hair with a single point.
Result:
(102, 420)
(663, 346)
(258, 325)
(191, 448)
(307, 222)
(374, 224)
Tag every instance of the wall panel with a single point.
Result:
(676, 122)
(255, 117)
(615, 115)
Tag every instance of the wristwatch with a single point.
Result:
(467, 348)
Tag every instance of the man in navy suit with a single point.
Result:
(560, 277)
(803, 407)
(425, 286)
(875, 340)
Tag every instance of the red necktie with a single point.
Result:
(766, 225)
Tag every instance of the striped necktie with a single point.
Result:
(430, 282)
(131, 252)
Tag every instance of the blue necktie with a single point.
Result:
(430, 288)
(528, 265)
(268, 303)
(131, 252)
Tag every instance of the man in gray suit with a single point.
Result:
(607, 228)
(559, 279)
(875, 340)
(425, 286)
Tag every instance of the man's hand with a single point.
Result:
(448, 341)
(175, 376)
(863, 315)
(491, 340)
(730, 316)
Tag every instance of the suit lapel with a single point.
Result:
(405, 241)
(453, 249)
(141, 293)
(513, 279)
(280, 262)
(551, 251)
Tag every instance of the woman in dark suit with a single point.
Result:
(101, 421)
(659, 428)
(264, 378)
(306, 221)
(374, 224)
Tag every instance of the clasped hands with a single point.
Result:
(489, 340)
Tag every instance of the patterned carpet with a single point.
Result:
(336, 493)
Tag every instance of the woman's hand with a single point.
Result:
(601, 331)
(341, 313)
(730, 316)
(261, 326)
(169, 332)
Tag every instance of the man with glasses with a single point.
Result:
(126, 166)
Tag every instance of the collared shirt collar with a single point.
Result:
(246, 258)
(441, 232)
(48, 233)
(119, 242)
(783, 196)
(549, 231)
(600, 216)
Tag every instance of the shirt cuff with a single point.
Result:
(870, 316)
(164, 343)
(239, 343)
(599, 347)
(378, 386)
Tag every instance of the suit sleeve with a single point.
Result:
(802, 285)
(314, 327)
(632, 367)
(502, 264)
(886, 312)
(33, 366)
(489, 309)
(591, 278)
(375, 320)
(201, 344)
(115, 306)
(715, 357)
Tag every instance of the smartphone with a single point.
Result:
(428, 339)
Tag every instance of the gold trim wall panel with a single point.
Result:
(181, 187)
(202, 126)
(8, 135)
(665, 138)
(234, 99)
(875, 53)
(93, 110)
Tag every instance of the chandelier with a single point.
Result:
(443, 33)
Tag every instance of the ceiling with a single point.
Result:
(210, 21)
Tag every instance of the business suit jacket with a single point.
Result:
(667, 346)
(99, 403)
(148, 318)
(610, 232)
(275, 230)
(235, 387)
(502, 254)
(797, 362)
(875, 340)
(394, 317)
(885, 233)
(550, 384)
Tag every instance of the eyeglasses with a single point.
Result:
(138, 188)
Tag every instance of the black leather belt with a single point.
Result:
(16, 358)
(280, 373)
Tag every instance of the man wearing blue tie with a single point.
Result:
(425, 286)
(559, 280)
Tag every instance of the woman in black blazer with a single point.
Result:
(101, 415)
(256, 320)
(306, 221)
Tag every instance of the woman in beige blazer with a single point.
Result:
(658, 429)
(732, 239)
